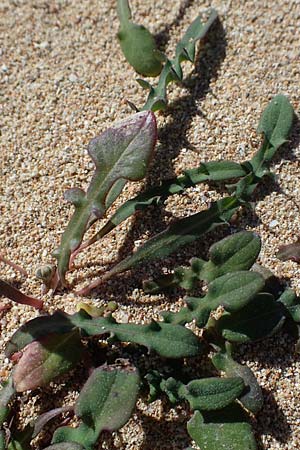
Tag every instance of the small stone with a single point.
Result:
(273, 224)
(73, 78)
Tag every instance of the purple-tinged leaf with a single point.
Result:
(17, 296)
(44, 360)
(290, 251)
(121, 153)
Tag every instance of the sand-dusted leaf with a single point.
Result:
(219, 435)
(165, 339)
(276, 121)
(17, 296)
(261, 318)
(233, 253)
(105, 403)
(184, 277)
(232, 291)
(7, 392)
(137, 43)
(289, 251)
(185, 51)
(181, 232)
(205, 394)
(2, 440)
(253, 398)
(209, 171)
(122, 152)
(46, 359)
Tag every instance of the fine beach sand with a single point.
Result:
(63, 80)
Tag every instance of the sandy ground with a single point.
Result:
(63, 81)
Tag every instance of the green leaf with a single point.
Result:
(253, 398)
(167, 340)
(221, 436)
(120, 153)
(105, 403)
(275, 123)
(210, 171)
(291, 304)
(233, 253)
(2, 440)
(137, 44)
(211, 393)
(44, 360)
(65, 446)
(232, 291)
(261, 318)
(20, 440)
(7, 392)
(185, 50)
(181, 232)
(37, 328)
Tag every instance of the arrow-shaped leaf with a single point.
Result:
(120, 153)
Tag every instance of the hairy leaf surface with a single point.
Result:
(105, 403)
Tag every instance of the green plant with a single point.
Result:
(275, 124)
(48, 346)
(137, 43)
(236, 295)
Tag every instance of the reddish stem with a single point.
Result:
(13, 265)
(17, 296)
